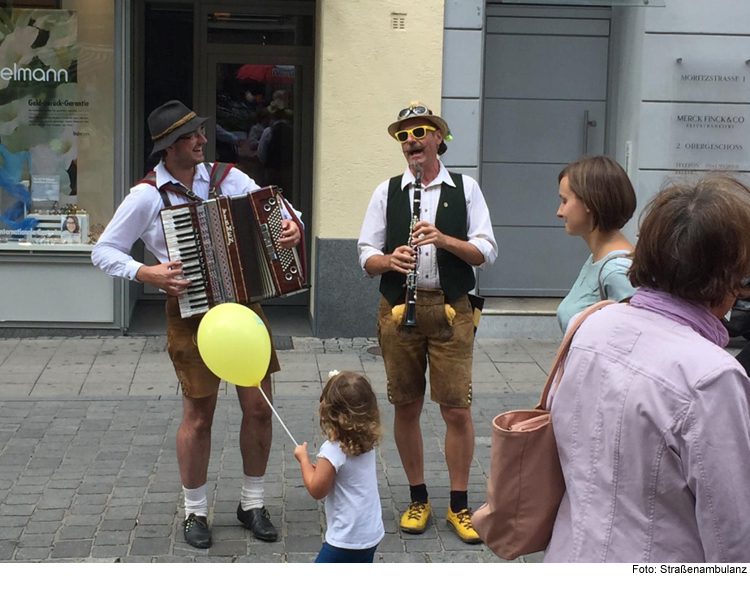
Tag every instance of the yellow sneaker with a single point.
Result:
(414, 519)
(461, 524)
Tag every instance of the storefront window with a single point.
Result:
(56, 123)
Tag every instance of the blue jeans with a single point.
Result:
(330, 553)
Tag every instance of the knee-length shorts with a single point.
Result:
(446, 347)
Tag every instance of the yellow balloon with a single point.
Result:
(234, 344)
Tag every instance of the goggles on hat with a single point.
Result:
(417, 132)
(414, 110)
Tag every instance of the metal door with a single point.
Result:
(545, 100)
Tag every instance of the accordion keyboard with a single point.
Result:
(183, 244)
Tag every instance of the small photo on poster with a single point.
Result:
(70, 226)
(45, 188)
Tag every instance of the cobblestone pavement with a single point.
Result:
(88, 471)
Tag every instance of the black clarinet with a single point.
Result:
(410, 315)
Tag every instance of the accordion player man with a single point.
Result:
(177, 133)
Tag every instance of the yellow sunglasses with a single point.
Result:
(417, 132)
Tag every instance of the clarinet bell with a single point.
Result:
(410, 317)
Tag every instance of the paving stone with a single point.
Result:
(88, 508)
(56, 500)
(228, 548)
(463, 557)
(98, 488)
(112, 538)
(165, 519)
(270, 558)
(152, 531)
(7, 547)
(214, 559)
(118, 525)
(113, 552)
(36, 540)
(127, 512)
(77, 532)
(423, 544)
(149, 547)
(16, 510)
(34, 554)
(71, 549)
(301, 557)
(11, 533)
(21, 499)
(87, 520)
(303, 543)
(55, 515)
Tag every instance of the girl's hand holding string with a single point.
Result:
(300, 452)
(318, 478)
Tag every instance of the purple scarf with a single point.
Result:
(690, 314)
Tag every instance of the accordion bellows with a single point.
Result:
(229, 248)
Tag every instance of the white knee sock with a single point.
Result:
(195, 501)
(252, 493)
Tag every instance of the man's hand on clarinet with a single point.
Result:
(425, 233)
(290, 234)
(164, 277)
(401, 260)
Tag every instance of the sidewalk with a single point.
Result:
(88, 471)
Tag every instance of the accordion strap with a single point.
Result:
(217, 171)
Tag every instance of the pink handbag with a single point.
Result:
(525, 484)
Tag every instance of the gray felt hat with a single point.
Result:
(169, 122)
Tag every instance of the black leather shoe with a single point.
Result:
(258, 521)
(196, 531)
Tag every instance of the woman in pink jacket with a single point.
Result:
(652, 416)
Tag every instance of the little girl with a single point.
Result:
(345, 473)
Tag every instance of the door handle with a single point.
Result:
(586, 124)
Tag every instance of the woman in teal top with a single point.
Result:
(596, 201)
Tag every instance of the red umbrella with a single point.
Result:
(257, 72)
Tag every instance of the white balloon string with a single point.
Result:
(273, 410)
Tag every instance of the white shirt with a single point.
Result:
(354, 518)
(138, 217)
(478, 224)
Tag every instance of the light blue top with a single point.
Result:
(585, 290)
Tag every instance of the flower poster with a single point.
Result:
(40, 113)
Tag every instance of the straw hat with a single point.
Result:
(417, 110)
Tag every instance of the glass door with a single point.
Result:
(255, 127)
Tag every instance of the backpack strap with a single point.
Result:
(602, 292)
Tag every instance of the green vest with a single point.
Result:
(456, 276)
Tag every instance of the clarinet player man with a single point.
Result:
(452, 237)
(178, 136)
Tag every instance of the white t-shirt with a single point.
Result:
(353, 514)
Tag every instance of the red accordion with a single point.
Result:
(229, 248)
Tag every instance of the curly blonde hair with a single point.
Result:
(349, 413)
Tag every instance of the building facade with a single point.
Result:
(661, 86)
